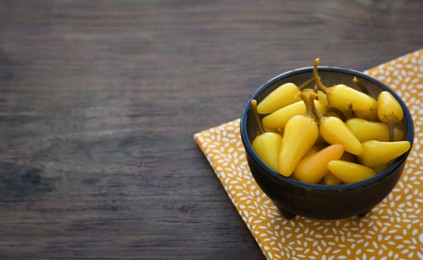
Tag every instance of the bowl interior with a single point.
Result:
(330, 76)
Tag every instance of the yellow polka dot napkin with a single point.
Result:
(392, 230)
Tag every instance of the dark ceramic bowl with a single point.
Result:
(316, 201)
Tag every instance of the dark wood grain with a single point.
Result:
(99, 101)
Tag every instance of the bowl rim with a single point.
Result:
(320, 187)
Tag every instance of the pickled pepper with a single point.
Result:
(300, 134)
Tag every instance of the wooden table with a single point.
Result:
(99, 101)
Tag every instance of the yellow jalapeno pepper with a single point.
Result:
(364, 114)
(313, 168)
(340, 96)
(267, 144)
(389, 111)
(349, 172)
(267, 147)
(334, 131)
(376, 153)
(366, 130)
(300, 134)
(279, 118)
(280, 97)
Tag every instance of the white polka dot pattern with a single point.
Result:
(392, 230)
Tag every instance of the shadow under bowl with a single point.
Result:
(317, 201)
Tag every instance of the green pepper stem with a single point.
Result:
(256, 116)
(317, 77)
(360, 85)
(314, 110)
(306, 83)
(350, 112)
(337, 112)
(391, 130)
(309, 102)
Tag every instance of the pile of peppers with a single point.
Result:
(328, 135)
